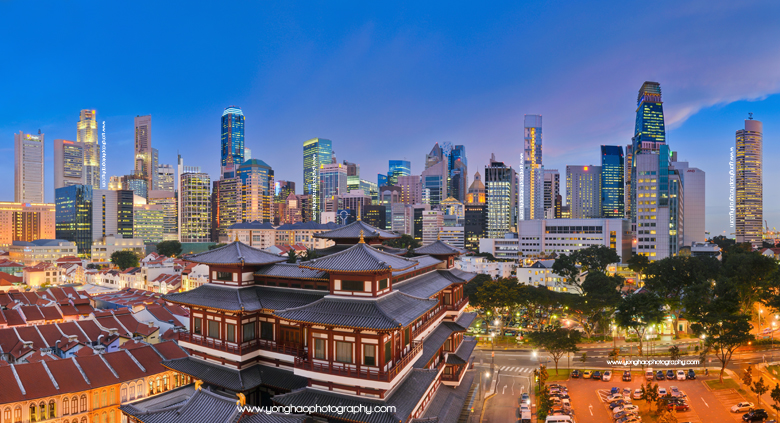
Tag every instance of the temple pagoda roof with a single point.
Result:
(431, 283)
(251, 298)
(433, 342)
(390, 311)
(236, 253)
(463, 353)
(337, 248)
(359, 258)
(291, 271)
(404, 398)
(352, 231)
(422, 261)
(237, 380)
(439, 248)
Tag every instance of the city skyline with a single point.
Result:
(696, 114)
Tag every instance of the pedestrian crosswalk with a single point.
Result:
(510, 369)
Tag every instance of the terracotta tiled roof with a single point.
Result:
(31, 313)
(7, 279)
(170, 350)
(161, 313)
(13, 318)
(39, 356)
(51, 313)
(30, 334)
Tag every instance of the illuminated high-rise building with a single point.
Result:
(168, 202)
(68, 163)
(627, 164)
(411, 189)
(257, 191)
(531, 189)
(396, 169)
(26, 222)
(144, 166)
(165, 178)
(282, 190)
(552, 193)
(333, 183)
(226, 208)
(476, 194)
(501, 198)
(316, 152)
(232, 141)
(583, 191)
(28, 168)
(612, 185)
(656, 187)
(87, 135)
(195, 216)
(749, 183)
(73, 216)
(353, 175)
(458, 173)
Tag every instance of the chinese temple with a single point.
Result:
(359, 325)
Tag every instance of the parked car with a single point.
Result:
(587, 374)
(617, 403)
(575, 374)
(757, 415)
(525, 399)
(626, 376)
(627, 393)
(649, 374)
(630, 419)
(670, 374)
(637, 394)
(674, 391)
(596, 375)
(615, 397)
(662, 392)
(624, 414)
(614, 390)
(660, 375)
(680, 375)
(742, 406)
(678, 406)
(607, 376)
(691, 374)
(627, 407)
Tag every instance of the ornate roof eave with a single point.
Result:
(302, 322)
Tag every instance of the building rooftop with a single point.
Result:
(251, 298)
(431, 283)
(359, 258)
(354, 230)
(252, 225)
(43, 243)
(236, 253)
(439, 248)
(237, 380)
(291, 271)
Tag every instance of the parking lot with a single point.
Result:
(589, 398)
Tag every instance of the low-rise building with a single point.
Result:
(546, 236)
(501, 248)
(540, 273)
(257, 234)
(103, 248)
(31, 253)
(483, 266)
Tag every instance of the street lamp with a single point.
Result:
(759, 320)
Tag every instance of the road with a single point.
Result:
(514, 375)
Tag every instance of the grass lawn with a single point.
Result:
(773, 370)
(563, 374)
(727, 384)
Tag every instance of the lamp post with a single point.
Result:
(759, 319)
(773, 333)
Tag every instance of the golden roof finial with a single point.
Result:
(362, 241)
(236, 237)
(438, 236)
(198, 383)
(241, 399)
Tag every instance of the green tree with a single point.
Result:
(638, 263)
(759, 388)
(565, 266)
(215, 246)
(674, 352)
(747, 376)
(667, 416)
(775, 394)
(672, 277)
(752, 274)
(596, 258)
(601, 296)
(309, 255)
(124, 259)
(717, 317)
(637, 312)
(291, 256)
(723, 242)
(557, 341)
(650, 392)
(497, 298)
(169, 248)
(474, 284)
(405, 241)
(584, 357)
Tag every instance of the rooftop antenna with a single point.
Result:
(750, 116)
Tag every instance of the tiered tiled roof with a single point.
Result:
(251, 298)
(431, 283)
(390, 311)
(337, 248)
(291, 271)
(463, 353)
(404, 398)
(236, 253)
(435, 340)
(359, 258)
(237, 380)
(131, 297)
(354, 230)
(185, 405)
(439, 248)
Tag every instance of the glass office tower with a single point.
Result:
(612, 196)
(316, 152)
(232, 141)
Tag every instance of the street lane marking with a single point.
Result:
(590, 407)
(705, 402)
(504, 390)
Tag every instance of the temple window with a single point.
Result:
(267, 331)
(352, 286)
(319, 349)
(248, 331)
(231, 332)
(344, 352)
(369, 355)
(213, 329)
(224, 276)
(196, 325)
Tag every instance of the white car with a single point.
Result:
(743, 406)
(606, 376)
(627, 407)
(637, 394)
(661, 392)
(615, 397)
(680, 375)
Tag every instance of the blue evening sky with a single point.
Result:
(386, 80)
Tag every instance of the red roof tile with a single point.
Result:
(71, 328)
(36, 380)
(124, 365)
(161, 313)
(31, 313)
(149, 359)
(11, 391)
(91, 329)
(170, 350)
(13, 318)
(30, 334)
(68, 376)
(96, 370)
(51, 313)
(39, 356)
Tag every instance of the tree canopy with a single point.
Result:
(637, 312)
(169, 248)
(557, 341)
(124, 259)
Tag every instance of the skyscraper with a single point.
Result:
(333, 182)
(693, 182)
(628, 163)
(232, 140)
(552, 191)
(87, 135)
(68, 163)
(112, 213)
(531, 188)
(144, 168)
(195, 206)
(434, 180)
(396, 169)
(316, 152)
(257, 191)
(411, 189)
(28, 168)
(501, 198)
(226, 207)
(458, 173)
(476, 194)
(282, 190)
(612, 185)
(353, 175)
(165, 178)
(656, 187)
(749, 183)
(583, 191)
(73, 216)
